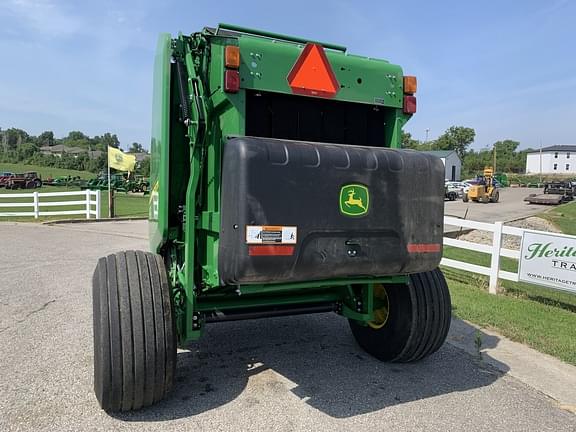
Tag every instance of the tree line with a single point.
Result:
(18, 146)
(459, 138)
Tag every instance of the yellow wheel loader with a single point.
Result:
(484, 191)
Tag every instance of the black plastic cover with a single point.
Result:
(271, 182)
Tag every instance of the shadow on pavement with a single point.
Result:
(317, 359)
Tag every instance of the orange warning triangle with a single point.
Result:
(312, 74)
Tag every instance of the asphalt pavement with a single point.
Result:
(511, 206)
(301, 373)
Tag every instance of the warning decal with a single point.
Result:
(267, 234)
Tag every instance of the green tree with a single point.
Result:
(111, 140)
(136, 148)
(26, 151)
(76, 139)
(144, 167)
(46, 138)
(473, 162)
(457, 138)
(14, 137)
(76, 136)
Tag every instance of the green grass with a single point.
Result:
(542, 318)
(546, 328)
(563, 216)
(127, 205)
(44, 172)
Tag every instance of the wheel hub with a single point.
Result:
(381, 307)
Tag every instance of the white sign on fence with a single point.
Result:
(548, 259)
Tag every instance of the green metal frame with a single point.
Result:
(186, 160)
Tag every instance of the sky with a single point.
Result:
(505, 68)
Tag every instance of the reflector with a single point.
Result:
(264, 250)
(312, 74)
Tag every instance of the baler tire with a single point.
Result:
(418, 321)
(134, 331)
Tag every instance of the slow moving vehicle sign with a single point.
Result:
(549, 260)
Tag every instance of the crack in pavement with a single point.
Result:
(29, 314)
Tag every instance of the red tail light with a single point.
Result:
(231, 81)
(409, 104)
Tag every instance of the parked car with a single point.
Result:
(452, 191)
(463, 186)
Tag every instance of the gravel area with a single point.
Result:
(509, 241)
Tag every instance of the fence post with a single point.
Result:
(97, 192)
(495, 262)
(87, 203)
(36, 205)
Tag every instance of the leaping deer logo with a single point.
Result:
(351, 201)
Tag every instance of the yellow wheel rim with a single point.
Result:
(381, 307)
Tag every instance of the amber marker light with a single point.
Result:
(232, 57)
(410, 85)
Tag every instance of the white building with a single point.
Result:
(451, 161)
(556, 159)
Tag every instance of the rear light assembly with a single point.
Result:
(231, 74)
(410, 87)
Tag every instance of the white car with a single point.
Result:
(463, 186)
(452, 192)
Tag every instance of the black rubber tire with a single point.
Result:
(418, 321)
(465, 197)
(134, 331)
(495, 197)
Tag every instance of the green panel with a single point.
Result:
(265, 65)
(159, 146)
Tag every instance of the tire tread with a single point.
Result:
(134, 331)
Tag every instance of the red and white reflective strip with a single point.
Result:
(423, 247)
(270, 250)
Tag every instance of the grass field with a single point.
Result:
(127, 205)
(542, 318)
(564, 217)
(44, 172)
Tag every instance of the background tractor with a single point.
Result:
(484, 190)
(278, 187)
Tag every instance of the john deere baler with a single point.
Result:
(278, 187)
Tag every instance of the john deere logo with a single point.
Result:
(118, 157)
(354, 200)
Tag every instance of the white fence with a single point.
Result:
(88, 205)
(495, 250)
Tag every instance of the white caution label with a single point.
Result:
(268, 234)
